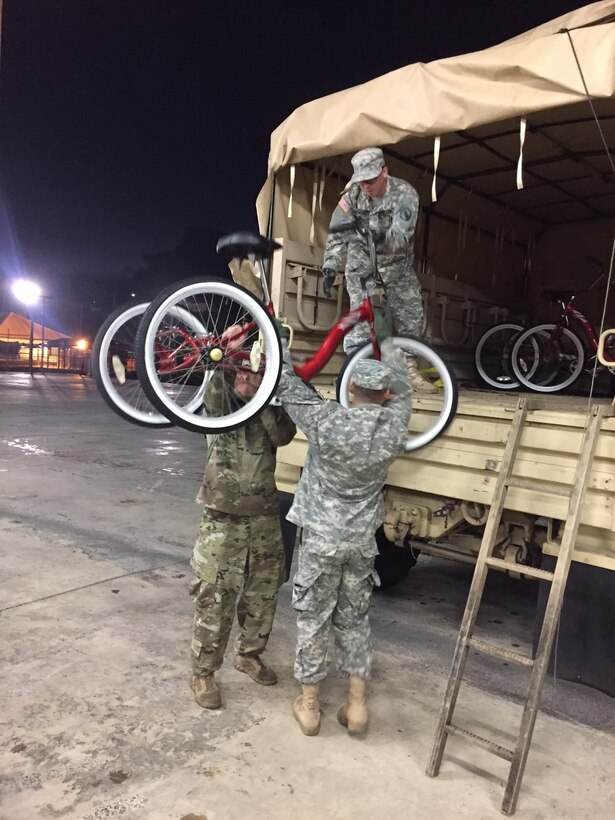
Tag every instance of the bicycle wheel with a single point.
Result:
(440, 408)
(114, 368)
(178, 367)
(548, 358)
(492, 356)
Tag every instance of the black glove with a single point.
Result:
(328, 278)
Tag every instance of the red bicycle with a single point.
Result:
(189, 333)
(549, 358)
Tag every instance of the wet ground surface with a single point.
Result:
(97, 519)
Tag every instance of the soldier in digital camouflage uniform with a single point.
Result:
(339, 504)
(238, 557)
(388, 207)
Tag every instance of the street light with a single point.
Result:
(26, 291)
(29, 293)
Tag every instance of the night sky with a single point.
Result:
(130, 128)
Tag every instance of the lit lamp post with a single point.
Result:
(28, 293)
(43, 300)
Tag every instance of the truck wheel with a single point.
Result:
(393, 563)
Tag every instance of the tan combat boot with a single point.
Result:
(206, 692)
(418, 382)
(306, 710)
(253, 666)
(353, 714)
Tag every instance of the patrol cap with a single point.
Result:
(371, 374)
(367, 164)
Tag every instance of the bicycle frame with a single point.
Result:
(196, 353)
(190, 355)
(363, 313)
(571, 314)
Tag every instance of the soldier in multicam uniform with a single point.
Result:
(239, 549)
(339, 504)
(388, 207)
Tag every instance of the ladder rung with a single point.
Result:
(551, 487)
(522, 569)
(483, 742)
(500, 652)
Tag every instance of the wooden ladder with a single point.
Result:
(517, 757)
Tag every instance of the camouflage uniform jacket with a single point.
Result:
(392, 220)
(350, 450)
(239, 472)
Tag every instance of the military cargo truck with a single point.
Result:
(510, 150)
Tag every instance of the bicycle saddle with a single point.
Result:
(558, 295)
(242, 244)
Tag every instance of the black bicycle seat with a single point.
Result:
(241, 244)
(558, 295)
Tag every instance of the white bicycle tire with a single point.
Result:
(549, 385)
(421, 350)
(480, 346)
(166, 303)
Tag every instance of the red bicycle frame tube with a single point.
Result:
(590, 334)
(191, 355)
(363, 313)
(179, 360)
(591, 337)
(167, 359)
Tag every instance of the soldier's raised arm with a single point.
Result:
(302, 402)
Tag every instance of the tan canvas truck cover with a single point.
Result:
(507, 145)
(536, 72)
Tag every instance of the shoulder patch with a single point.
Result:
(344, 204)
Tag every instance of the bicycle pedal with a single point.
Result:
(255, 356)
(118, 369)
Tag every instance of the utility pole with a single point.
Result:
(43, 333)
(31, 345)
(44, 300)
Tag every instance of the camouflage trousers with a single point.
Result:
(239, 565)
(333, 586)
(404, 300)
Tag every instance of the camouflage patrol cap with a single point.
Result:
(371, 374)
(367, 164)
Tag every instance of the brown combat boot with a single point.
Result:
(353, 714)
(206, 692)
(418, 382)
(253, 666)
(306, 710)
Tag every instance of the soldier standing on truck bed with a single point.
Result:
(339, 504)
(387, 207)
